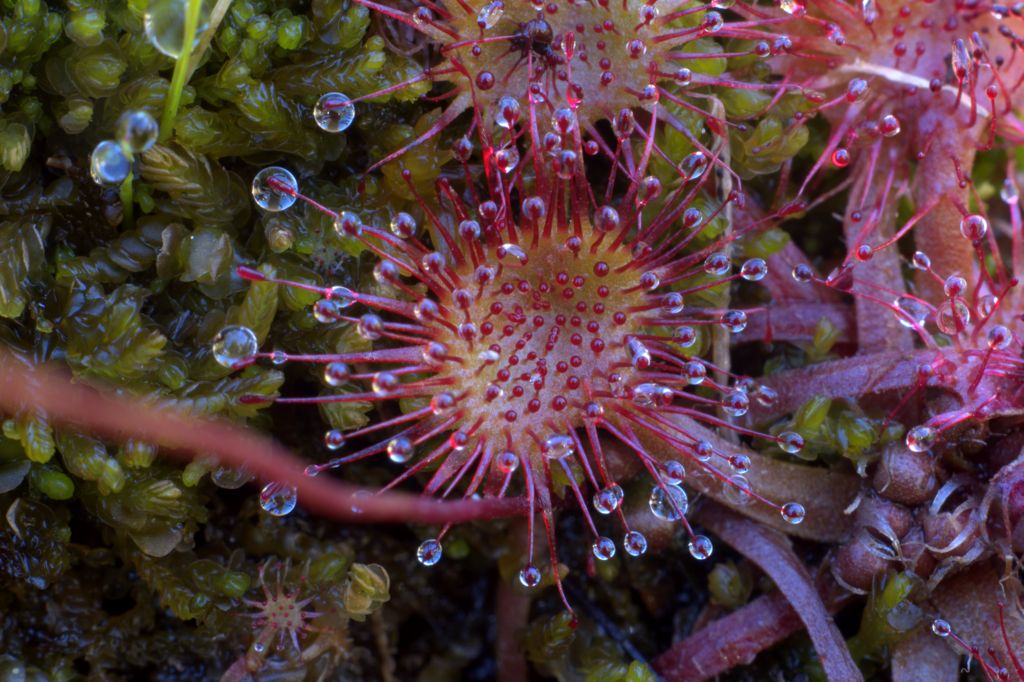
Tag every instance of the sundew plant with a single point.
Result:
(606, 340)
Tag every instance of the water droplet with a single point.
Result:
(652, 395)
(717, 264)
(693, 165)
(999, 337)
(941, 628)
(910, 312)
(686, 336)
(669, 502)
(400, 450)
(506, 159)
(740, 463)
(766, 396)
(737, 490)
(634, 543)
(1009, 193)
(791, 442)
(234, 344)
(370, 327)
(508, 112)
(384, 383)
(604, 548)
(953, 317)
(640, 355)
(734, 320)
(701, 547)
(164, 23)
(703, 450)
(557, 446)
(920, 438)
(137, 130)
(512, 254)
(334, 439)
(442, 404)
(674, 473)
(336, 373)
(507, 462)
(960, 59)
(108, 165)
(529, 576)
(326, 311)
(608, 499)
(841, 157)
(736, 403)
(754, 270)
(429, 552)
(713, 22)
(334, 112)
(793, 512)
(489, 15)
(278, 499)
(889, 126)
(802, 273)
(274, 188)
(973, 227)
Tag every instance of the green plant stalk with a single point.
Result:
(181, 70)
(127, 201)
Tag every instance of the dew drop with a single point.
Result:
(953, 317)
(921, 261)
(941, 628)
(403, 225)
(793, 512)
(802, 273)
(703, 450)
(336, 373)
(529, 576)
(604, 548)
(674, 473)
(693, 165)
(652, 395)
(841, 157)
(489, 15)
(400, 450)
(739, 463)
(334, 439)
(717, 264)
(608, 499)
(274, 188)
(795, 7)
(506, 159)
(507, 462)
(634, 543)
(606, 219)
(278, 499)
(164, 23)
(920, 438)
(973, 227)
(686, 336)
(791, 442)
(514, 255)
(557, 446)
(384, 383)
(234, 344)
(334, 112)
(754, 270)
(1008, 192)
(429, 552)
(889, 126)
(326, 311)
(108, 165)
(370, 327)
(640, 355)
(508, 112)
(766, 396)
(910, 312)
(999, 337)
(137, 130)
(701, 547)
(442, 404)
(669, 502)
(734, 321)
(737, 490)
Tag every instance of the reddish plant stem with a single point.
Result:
(876, 331)
(796, 322)
(512, 609)
(737, 638)
(772, 552)
(180, 435)
(938, 233)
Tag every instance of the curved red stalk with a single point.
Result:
(45, 391)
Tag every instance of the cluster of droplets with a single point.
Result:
(111, 161)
